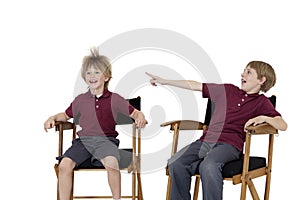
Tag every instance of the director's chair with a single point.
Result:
(130, 157)
(238, 171)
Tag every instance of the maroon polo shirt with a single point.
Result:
(97, 116)
(233, 108)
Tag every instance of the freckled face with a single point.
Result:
(249, 82)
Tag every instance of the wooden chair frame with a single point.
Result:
(133, 168)
(245, 178)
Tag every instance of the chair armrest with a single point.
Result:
(263, 128)
(170, 123)
(65, 125)
(184, 125)
(60, 126)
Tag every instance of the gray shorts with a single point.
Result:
(94, 148)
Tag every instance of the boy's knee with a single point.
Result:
(174, 167)
(110, 163)
(209, 169)
(66, 165)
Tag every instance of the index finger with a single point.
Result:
(151, 75)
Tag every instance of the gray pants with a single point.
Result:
(185, 163)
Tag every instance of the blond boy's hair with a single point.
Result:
(264, 69)
(98, 62)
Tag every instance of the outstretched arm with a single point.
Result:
(185, 84)
(50, 122)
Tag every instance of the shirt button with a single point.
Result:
(97, 106)
(239, 104)
(243, 99)
(96, 99)
(246, 95)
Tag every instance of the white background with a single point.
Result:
(41, 48)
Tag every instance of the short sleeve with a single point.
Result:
(213, 91)
(69, 111)
(119, 104)
(205, 93)
(266, 108)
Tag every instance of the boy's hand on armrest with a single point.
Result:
(50, 122)
(277, 122)
(139, 118)
(254, 121)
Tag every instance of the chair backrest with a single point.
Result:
(123, 119)
(211, 107)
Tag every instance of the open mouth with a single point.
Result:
(243, 81)
(93, 81)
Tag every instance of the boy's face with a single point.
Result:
(249, 82)
(95, 79)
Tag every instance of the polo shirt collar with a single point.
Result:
(242, 92)
(106, 93)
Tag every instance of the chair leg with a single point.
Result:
(140, 191)
(252, 189)
(268, 178)
(56, 169)
(133, 185)
(267, 188)
(243, 190)
(245, 177)
(168, 196)
(196, 189)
